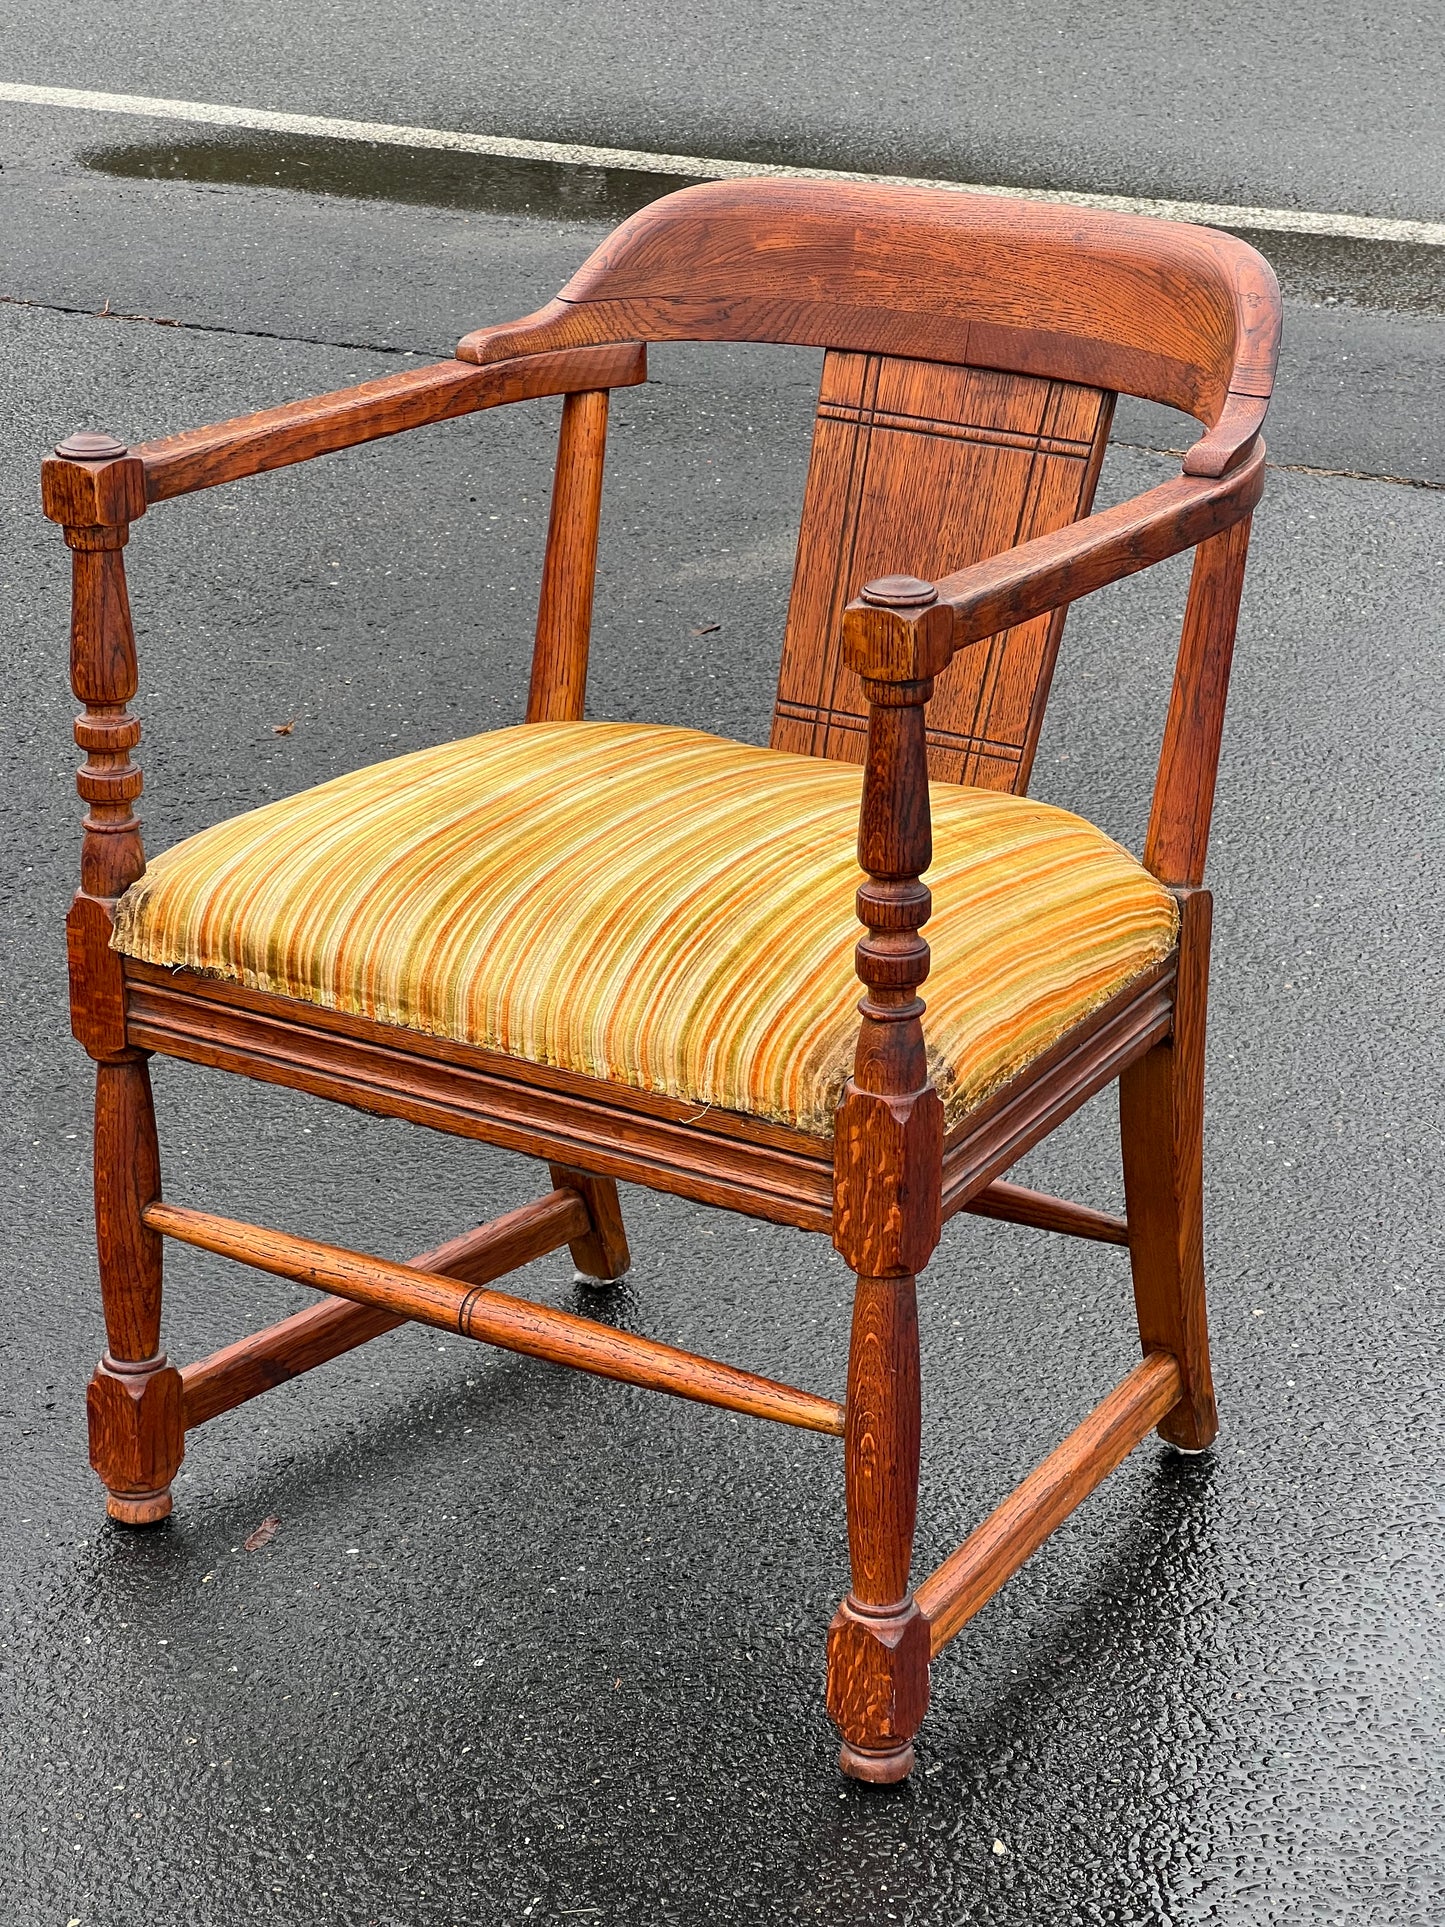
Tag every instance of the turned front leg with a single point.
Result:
(137, 1428)
(94, 489)
(887, 1207)
(878, 1641)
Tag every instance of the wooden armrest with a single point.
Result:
(251, 444)
(892, 643)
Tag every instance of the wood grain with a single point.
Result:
(888, 1188)
(718, 1158)
(991, 1139)
(1161, 1118)
(278, 437)
(877, 1642)
(241, 1371)
(888, 1137)
(884, 1430)
(93, 486)
(1050, 571)
(92, 482)
(925, 469)
(1016, 1204)
(558, 691)
(600, 1253)
(724, 1158)
(1178, 838)
(538, 1331)
(235, 1373)
(255, 1364)
(137, 1436)
(970, 1577)
(127, 1180)
(103, 676)
(974, 346)
(1176, 313)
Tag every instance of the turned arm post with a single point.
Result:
(95, 489)
(888, 1182)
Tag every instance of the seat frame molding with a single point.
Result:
(1071, 296)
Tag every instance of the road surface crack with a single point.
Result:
(107, 313)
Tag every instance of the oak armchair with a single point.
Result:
(629, 951)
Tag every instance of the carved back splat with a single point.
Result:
(920, 468)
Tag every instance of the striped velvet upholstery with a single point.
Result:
(657, 907)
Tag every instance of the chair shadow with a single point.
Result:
(743, 1732)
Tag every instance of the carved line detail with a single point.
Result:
(975, 432)
(846, 719)
(464, 1309)
(862, 425)
(832, 725)
(1028, 501)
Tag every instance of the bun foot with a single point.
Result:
(881, 1766)
(138, 1508)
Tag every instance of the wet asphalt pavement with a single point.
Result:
(1301, 103)
(529, 1647)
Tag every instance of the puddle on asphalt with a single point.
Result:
(368, 171)
(1396, 276)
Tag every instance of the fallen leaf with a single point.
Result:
(264, 1533)
(283, 729)
(708, 629)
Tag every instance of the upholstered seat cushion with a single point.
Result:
(664, 909)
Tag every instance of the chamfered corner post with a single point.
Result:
(94, 488)
(1161, 1095)
(888, 1188)
(1161, 1117)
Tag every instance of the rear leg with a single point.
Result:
(601, 1255)
(1161, 1115)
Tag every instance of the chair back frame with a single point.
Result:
(974, 349)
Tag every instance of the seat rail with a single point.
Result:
(720, 1158)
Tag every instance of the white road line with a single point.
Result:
(1278, 220)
